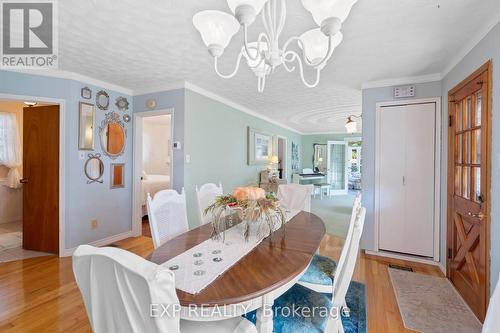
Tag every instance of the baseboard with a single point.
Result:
(100, 242)
(403, 257)
(442, 268)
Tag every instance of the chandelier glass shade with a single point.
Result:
(312, 49)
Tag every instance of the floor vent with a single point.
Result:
(402, 268)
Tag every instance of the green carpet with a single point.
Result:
(335, 211)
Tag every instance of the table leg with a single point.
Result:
(265, 316)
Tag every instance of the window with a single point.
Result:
(10, 147)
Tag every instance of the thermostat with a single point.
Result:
(404, 91)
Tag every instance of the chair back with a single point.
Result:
(205, 196)
(295, 196)
(345, 270)
(119, 288)
(167, 215)
(492, 320)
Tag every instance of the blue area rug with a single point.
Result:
(302, 297)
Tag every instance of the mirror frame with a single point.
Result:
(314, 153)
(82, 104)
(112, 117)
(101, 106)
(113, 165)
(98, 179)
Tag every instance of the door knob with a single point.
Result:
(479, 215)
(24, 181)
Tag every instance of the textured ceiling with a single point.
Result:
(149, 44)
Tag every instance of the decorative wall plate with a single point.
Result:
(102, 100)
(151, 103)
(86, 93)
(122, 103)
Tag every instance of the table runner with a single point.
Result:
(199, 266)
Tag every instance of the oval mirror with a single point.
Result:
(102, 100)
(94, 168)
(112, 135)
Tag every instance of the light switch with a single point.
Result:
(188, 159)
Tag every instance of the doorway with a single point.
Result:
(469, 177)
(153, 164)
(29, 179)
(281, 152)
(354, 163)
(337, 175)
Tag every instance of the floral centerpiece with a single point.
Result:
(252, 205)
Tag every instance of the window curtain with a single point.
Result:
(10, 148)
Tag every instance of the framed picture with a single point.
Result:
(295, 156)
(86, 93)
(260, 146)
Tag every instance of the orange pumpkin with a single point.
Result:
(249, 193)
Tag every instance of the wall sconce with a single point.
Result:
(351, 125)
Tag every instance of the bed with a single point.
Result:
(152, 184)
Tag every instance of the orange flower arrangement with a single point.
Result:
(251, 204)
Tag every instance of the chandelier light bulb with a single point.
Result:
(324, 9)
(216, 29)
(315, 44)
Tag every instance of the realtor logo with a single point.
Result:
(29, 39)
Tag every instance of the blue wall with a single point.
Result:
(84, 202)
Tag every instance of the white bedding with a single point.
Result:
(152, 184)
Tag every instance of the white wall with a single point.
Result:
(11, 200)
(156, 145)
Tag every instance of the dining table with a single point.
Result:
(257, 279)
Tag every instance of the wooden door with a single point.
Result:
(469, 189)
(41, 178)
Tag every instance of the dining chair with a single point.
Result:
(295, 196)
(492, 320)
(205, 196)
(299, 297)
(321, 271)
(123, 292)
(167, 215)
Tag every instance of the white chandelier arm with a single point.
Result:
(262, 36)
(261, 83)
(282, 18)
(228, 76)
(295, 56)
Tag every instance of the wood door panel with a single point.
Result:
(468, 187)
(41, 169)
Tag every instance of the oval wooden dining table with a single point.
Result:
(257, 279)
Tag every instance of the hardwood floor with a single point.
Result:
(40, 294)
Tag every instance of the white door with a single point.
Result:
(337, 167)
(406, 171)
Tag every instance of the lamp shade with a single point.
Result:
(216, 27)
(255, 4)
(351, 126)
(323, 9)
(316, 44)
(274, 159)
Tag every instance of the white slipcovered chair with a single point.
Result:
(492, 320)
(167, 215)
(123, 293)
(295, 196)
(205, 196)
(321, 271)
(301, 297)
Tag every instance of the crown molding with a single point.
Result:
(402, 80)
(473, 42)
(180, 84)
(223, 100)
(357, 134)
(60, 74)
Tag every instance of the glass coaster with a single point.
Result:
(218, 259)
(199, 273)
(198, 262)
(174, 267)
(197, 254)
(216, 251)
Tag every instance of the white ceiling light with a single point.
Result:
(351, 126)
(265, 54)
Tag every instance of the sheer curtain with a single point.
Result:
(10, 148)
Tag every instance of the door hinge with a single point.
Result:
(449, 253)
(450, 121)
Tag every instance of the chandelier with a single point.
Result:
(264, 55)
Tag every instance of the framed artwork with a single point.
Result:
(260, 146)
(295, 156)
